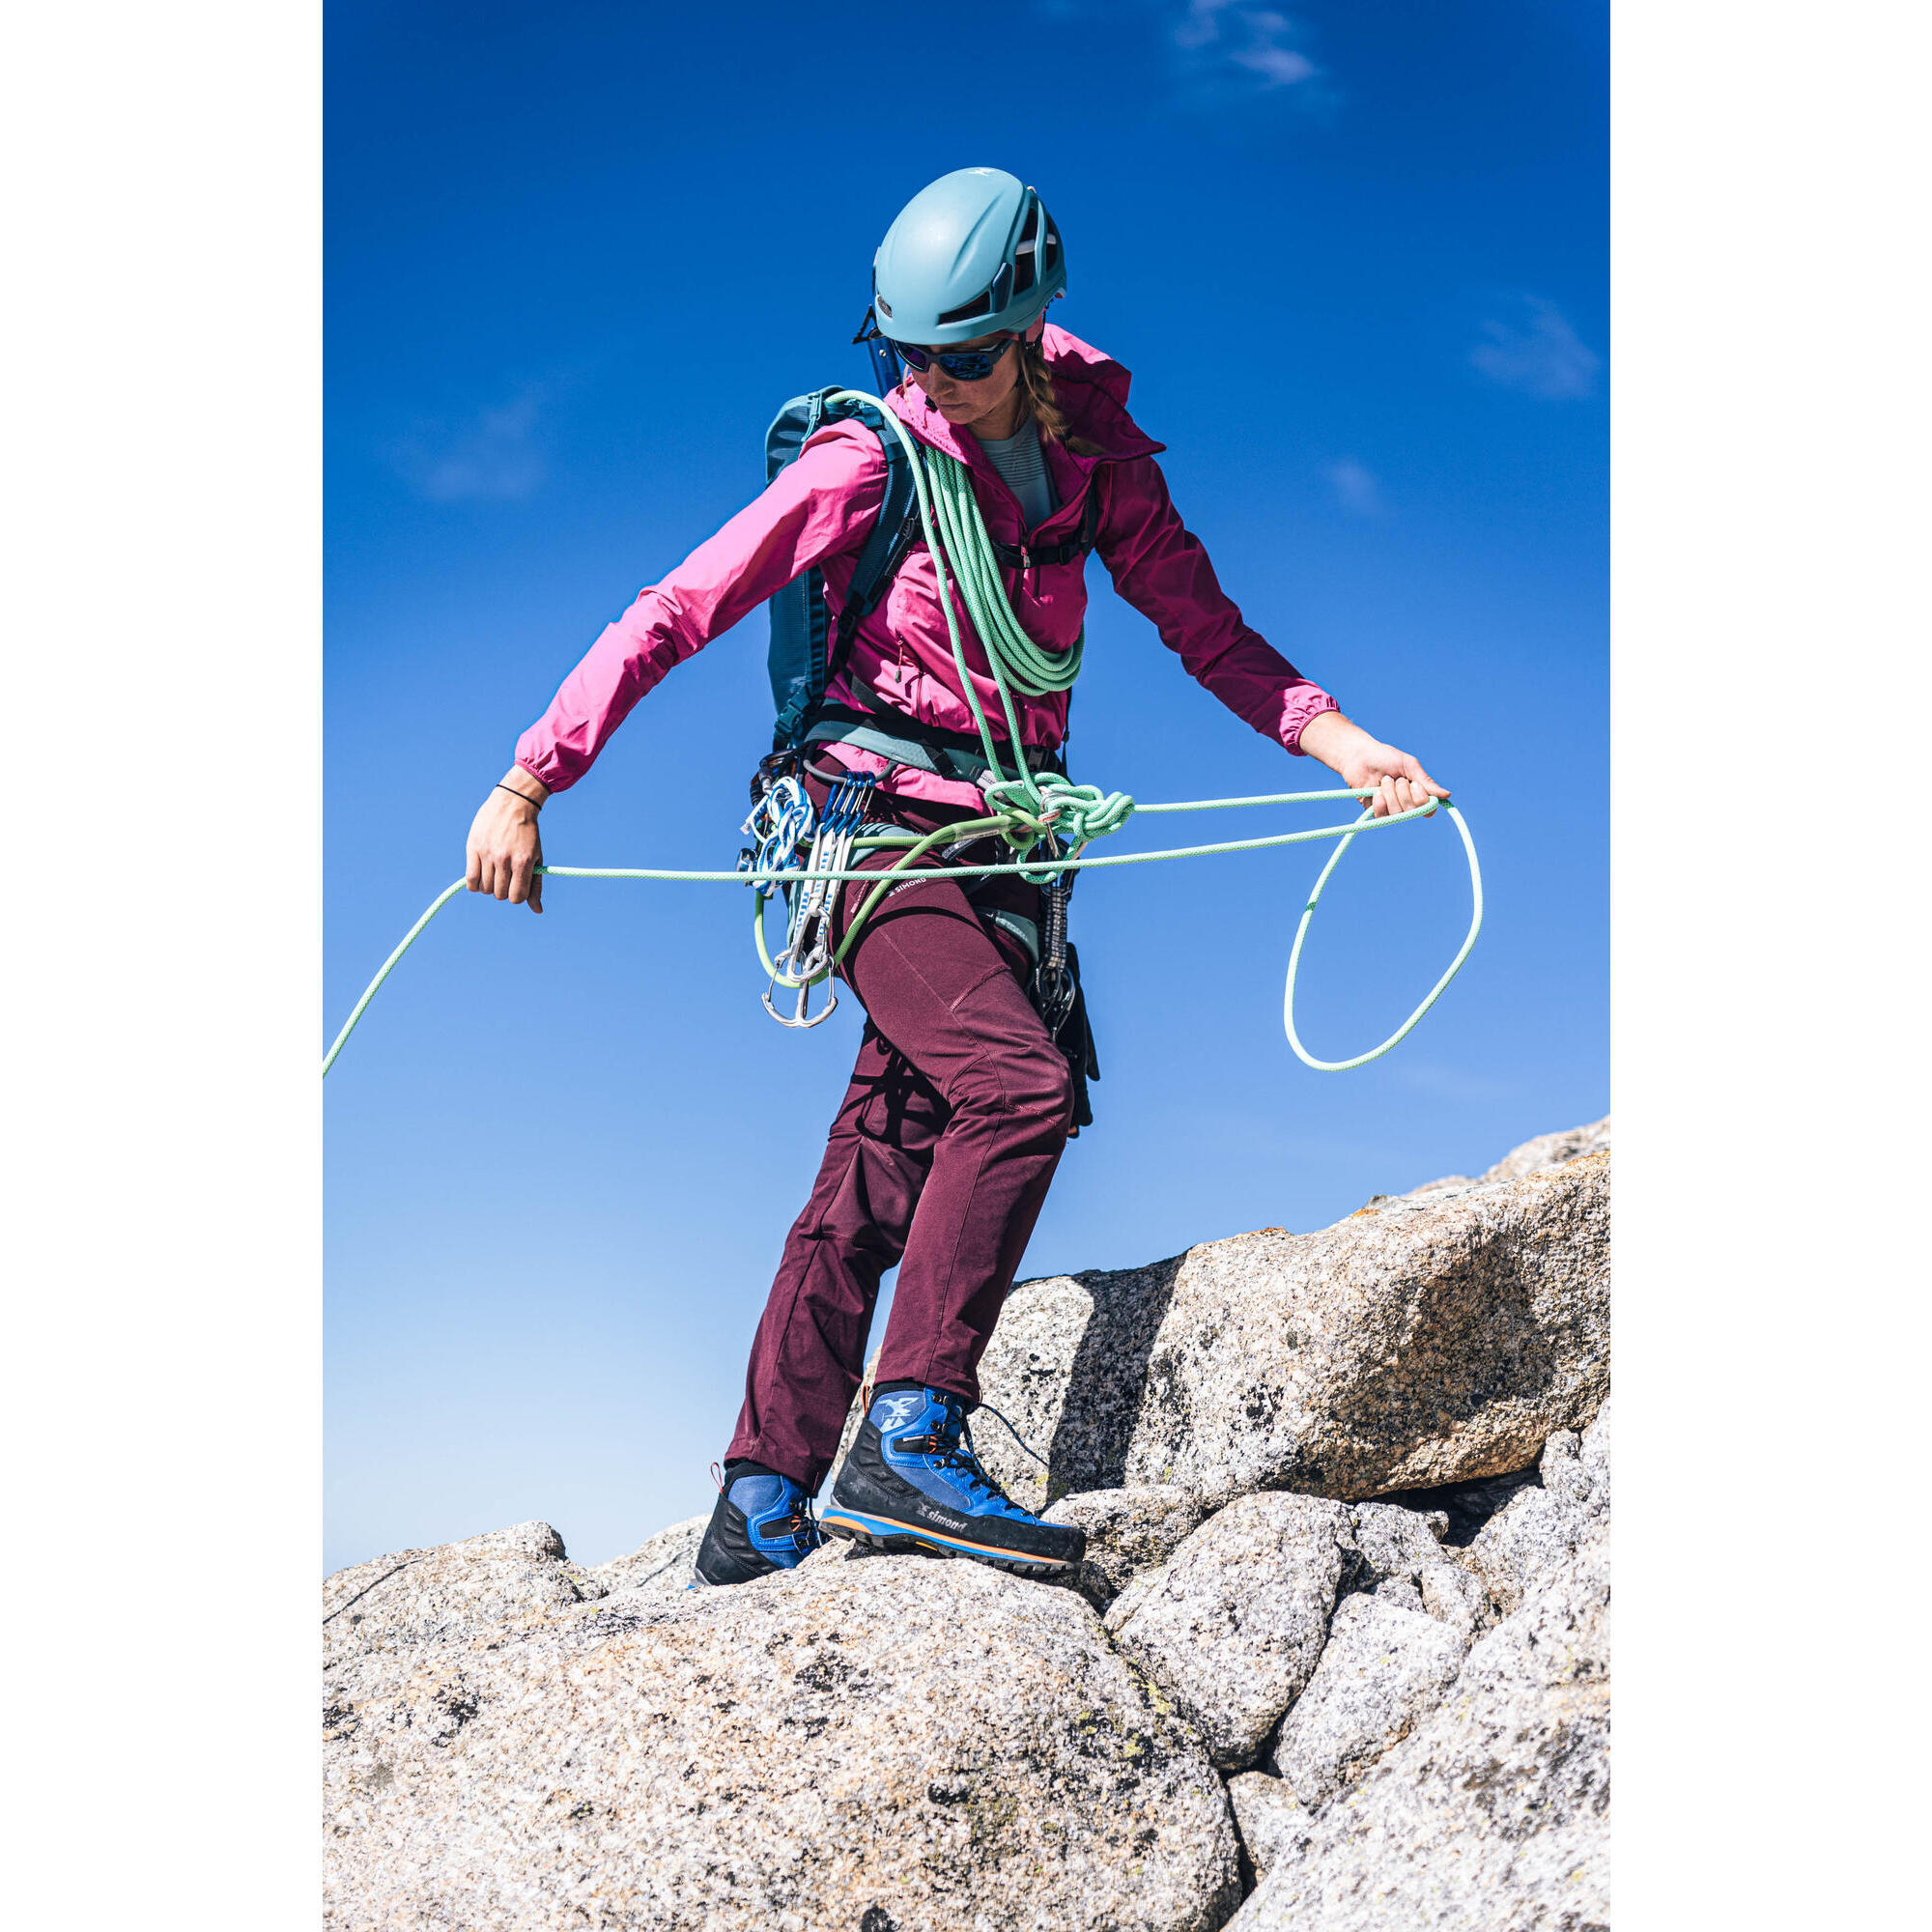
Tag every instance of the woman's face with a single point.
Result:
(964, 404)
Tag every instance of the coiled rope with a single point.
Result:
(1024, 807)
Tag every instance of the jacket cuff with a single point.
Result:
(1303, 705)
(545, 768)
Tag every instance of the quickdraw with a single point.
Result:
(808, 958)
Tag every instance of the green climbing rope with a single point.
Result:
(1025, 808)
(883, 881)
(1035, 671)
(1434, 993)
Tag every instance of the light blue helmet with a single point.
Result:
(974, 253)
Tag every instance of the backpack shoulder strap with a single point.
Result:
(895, 531)
(893, 534)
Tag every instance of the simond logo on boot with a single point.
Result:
(894, 1411)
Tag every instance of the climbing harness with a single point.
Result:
(1043, 818)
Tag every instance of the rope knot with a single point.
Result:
(1034, 806)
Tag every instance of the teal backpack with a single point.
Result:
(806, 651)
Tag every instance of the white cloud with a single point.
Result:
(1540, 353)
(1222, 43)
(1218, 51)
(1355, 488)
(1279, 67)
(493, 457)
(1200, 27)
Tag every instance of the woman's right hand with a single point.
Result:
(505, 848)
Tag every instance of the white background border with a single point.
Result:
(1770, 642)
(161, 663)
(161, 647)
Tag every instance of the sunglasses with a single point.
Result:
(963, 365)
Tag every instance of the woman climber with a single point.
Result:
(963, 1098)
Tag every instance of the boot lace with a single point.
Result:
(952, 1447)
(802, 1524)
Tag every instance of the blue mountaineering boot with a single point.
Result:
(762, 1523)
(913, 1481)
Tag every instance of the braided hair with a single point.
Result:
(1039, 404)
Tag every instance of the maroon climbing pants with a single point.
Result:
(939, 1159)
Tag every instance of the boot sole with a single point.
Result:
(879, 1532)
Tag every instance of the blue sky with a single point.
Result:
(577, 254)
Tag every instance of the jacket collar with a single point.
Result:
(1092, 389)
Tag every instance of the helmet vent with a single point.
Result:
(981, 304)
(1026, 253)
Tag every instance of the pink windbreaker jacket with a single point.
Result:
(819, 510)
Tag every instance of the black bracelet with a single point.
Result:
(535, 804)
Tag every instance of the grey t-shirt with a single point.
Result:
(1021, 460)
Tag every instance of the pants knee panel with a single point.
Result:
(1035, 1085)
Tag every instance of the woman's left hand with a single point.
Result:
(1361, 760)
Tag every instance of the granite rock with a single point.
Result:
(1546, 1151)
(1269, 1818)
(896, 1742)
(1382, 1671)
(1128, 1531)
(1424, 1340)
(460, 1590)
(1304, 1464)
(1468, 1505)
(1401, 1560)
(1231, 1626)
(1553, 1151)
(1452, 1596)
(662, 1567)
(1394, 1541)
(1492, 1815)
(1535, 1533)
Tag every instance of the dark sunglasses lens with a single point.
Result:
(963, 365)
